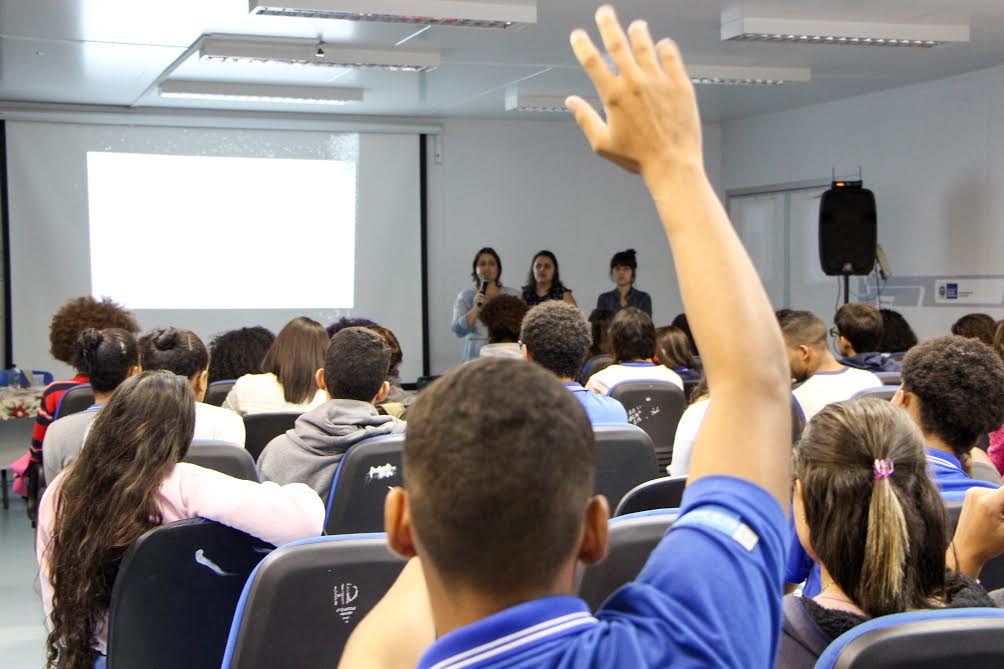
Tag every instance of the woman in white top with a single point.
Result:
(290, 366)
(631, 339)
(182, 352)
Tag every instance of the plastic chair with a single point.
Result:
(656, 407)
(217, 392)
(889, 378)
(881, 392)
(593, 365)
(5, 379)
(74, 400)
(224, 457)
(261, 428)
(175, 594)
(360, 484)
(302, 602)
(663, 493)
(631, 540)
(898, 356)
(624, 458)
(929, 639)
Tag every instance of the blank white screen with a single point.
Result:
(266, 212)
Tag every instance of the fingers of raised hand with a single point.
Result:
(589, 121)
(644, 50)
(615, 41)
(669, 58)
(592, 62)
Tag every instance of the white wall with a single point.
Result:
(523, 186)
(934, 156)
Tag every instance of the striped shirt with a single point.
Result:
(47, 411)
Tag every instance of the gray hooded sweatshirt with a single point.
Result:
(311, 451)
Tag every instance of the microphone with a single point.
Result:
(484, 285)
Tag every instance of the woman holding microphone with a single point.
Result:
(486, 272)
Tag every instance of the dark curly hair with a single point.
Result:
(503, 316)
(953, 377)
(897, 335)
(234, 353)
(79, 314)
(557, 337)
(346, 322)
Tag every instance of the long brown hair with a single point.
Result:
(107, 500)
(295, 356)
(672, 348)
(882, 540)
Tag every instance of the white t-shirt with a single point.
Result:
(686, 435)
(604, 380)
(262, 393)
(824, 388)
(217, 424)
(504, 350)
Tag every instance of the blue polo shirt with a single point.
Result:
(601, 409)
(708, 596)
(943, 468)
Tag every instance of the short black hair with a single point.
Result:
(106, 356)
(976, 326)
(861, 325)
(499, 465)
(234, 353)
(954, 377)
(631, 335)
(355, 365)
(802, 327)
(176, 350)
(897, 335)
(627, 258)
(503, 316)
(557, 336)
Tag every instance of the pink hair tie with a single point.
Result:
(883, 469)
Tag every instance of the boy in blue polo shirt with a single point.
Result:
(500, 461)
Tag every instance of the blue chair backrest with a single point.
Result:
(301, 604)
(662, 493)
(656, 407)
(631, 540)
(879, 392)
(175, 595)
(360, 484)
(221, 456)
(625, 457)
(936, 638)
(74, 400)
(261, 428)
(217, 392)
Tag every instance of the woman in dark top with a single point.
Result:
(543, 282)
(623, 270)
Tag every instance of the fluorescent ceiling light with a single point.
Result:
(516, 101)
(221, 90)
(462, 13)
(737, 27)
(240, 48)
(741, 75)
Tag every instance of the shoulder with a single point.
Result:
(507, 290)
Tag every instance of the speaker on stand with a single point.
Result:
(847, 231)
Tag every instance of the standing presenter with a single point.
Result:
(486, 272)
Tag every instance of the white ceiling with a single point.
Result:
(114, 52)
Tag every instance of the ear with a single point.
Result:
(319, 377)
(199, 384)
(903, 399)
(804, 352)
(526, 354)
(397, 523)
(843, 344)
(594, 537)
(382, 393)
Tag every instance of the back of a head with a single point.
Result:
(82, 313)
(953, 377)
(557, 337)
(673, 349)
(999, 340)
(347, 322)
(500, 534)
(355, 365)
(802, 328)
(861, 325)
(897, 335)
(631, 335)
(599, 321)
(503, 316)
(235, 353)
(174, 350)
(295, 356)
(106, 356)
(976, 326)
(396, 354)
(881, 535)
(680, 321)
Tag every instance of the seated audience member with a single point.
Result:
(866, 510)
(599, 322)
(286, 383)
(108, 357)
(235, 353)
(897, 335)
(68, 323)
(681, 322)
(688, 428)
(354, 377)
(556, 337)
(857, 328)
(632, 344)
(396, 395)
(824, 380)
(182, 352)
(996, 449)
(672, 350)
(976, 326)
(128, 479)
(503, 318)
(347, 322)
(499, 552)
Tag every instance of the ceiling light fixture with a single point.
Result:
(516, 101)
(247, 49)
(459, 13)
(221, 90)
(742, 75)
(738, 27)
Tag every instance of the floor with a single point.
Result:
(22, 632)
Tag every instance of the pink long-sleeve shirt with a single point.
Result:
(996, 450)
(277, 514)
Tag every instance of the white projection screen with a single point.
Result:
(214, 229)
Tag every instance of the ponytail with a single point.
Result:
(880, 589)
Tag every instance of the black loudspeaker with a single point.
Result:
(847, 230)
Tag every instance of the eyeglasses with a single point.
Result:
(834, 332)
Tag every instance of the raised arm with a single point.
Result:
(652, 128)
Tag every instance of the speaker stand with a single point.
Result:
(847, 288)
